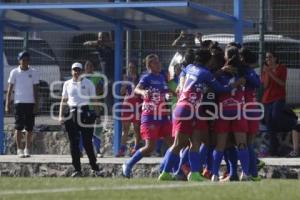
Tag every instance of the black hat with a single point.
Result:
(23, 54)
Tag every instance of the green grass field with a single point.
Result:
(142, 189)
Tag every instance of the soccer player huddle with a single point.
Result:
(216, 116)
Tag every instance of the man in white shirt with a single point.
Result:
(24, 80)
(77, 93)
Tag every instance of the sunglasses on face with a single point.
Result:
(77, 69)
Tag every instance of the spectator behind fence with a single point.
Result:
(295, 141)
(173, 84)
(97, 80)
(79, 119)
(104, 46)
(274, 77)
(184, 40)
(287, 121)
(130, 110)
(24, 80)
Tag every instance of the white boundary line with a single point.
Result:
(92, 188)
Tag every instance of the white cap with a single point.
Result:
(77, 65)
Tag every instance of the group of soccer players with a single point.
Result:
(216, 116)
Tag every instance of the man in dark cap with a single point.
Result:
(24, 81)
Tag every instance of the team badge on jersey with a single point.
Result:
(152, 126)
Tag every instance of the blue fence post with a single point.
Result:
(2, 134)
(118, 77)
(238, 27)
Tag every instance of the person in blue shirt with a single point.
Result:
(187, 122)
(155, 117)
(231, 119)
(252, 84)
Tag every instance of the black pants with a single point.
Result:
(272, 111)
(74, 131)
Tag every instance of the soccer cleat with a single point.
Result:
(165, 176)
(76, 174)
(244, 177)
(225, 175)
(20, 153)
(214, 178)
(195, 176)
(226, 179)
(26, 153)
(126, 171)
(229, 178)
(255, 178)
(206, 173)
(260, 164)
(185, 169)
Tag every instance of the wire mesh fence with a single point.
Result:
(54, 52)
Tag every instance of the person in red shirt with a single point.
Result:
(274, 77)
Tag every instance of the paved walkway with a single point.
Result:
(44, 120)
(112, 160)
(38, 120)
(67, 159)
